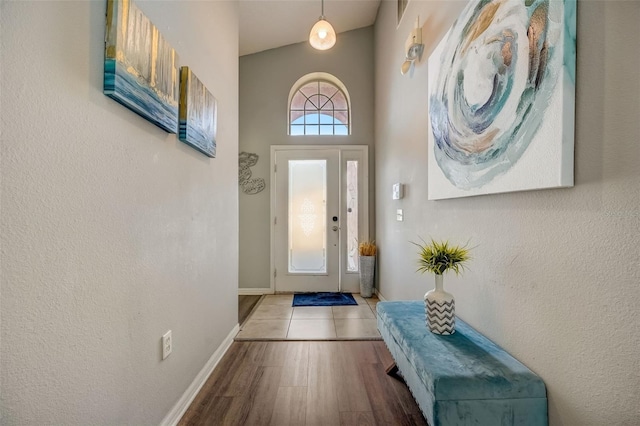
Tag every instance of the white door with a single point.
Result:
(317, 217)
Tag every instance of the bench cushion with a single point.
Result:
(460, 373)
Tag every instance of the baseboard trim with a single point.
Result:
(254, 291)
(380, 296)
(176, 413)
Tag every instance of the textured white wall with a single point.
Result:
(555, 277)
(265, 81)
(113, 231)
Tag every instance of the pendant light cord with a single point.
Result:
(322, 9)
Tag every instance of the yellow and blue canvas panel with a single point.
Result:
(140, 67)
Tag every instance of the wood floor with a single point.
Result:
(304, 383)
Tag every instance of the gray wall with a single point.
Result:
(113, 231)
(265, 81)
(555, 273)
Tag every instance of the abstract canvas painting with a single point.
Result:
(502, 99)
(198, 114)
(140, 67)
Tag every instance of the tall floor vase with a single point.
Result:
(440, 308)
(367, 271)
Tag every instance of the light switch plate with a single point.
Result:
(399, 215)
(167, 344)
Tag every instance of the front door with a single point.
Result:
(307, 220)
(317, 216)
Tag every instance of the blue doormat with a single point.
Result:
(323, 299)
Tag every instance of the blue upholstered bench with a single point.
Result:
(462, 379)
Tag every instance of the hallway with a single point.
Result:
(304, 383)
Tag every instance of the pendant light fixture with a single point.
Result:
(322, 36)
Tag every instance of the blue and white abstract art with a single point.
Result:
(502, 99)
(140, 67)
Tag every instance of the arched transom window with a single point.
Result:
(318, 106)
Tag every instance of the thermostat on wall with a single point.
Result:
(398, 191)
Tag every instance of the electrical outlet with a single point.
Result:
(167, 344)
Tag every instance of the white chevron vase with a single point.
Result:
(440, 309)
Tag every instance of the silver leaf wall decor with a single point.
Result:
(249, 186)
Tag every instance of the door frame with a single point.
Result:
(346, 153)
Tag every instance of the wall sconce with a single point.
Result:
(413, 48)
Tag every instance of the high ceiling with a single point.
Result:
(267, 24)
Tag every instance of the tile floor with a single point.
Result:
(275, 319)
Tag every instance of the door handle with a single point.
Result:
(334, 227)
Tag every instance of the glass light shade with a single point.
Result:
(322, 36)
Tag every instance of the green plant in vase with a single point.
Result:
(439, 257)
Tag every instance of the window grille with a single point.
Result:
(319, 107)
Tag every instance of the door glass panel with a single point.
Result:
(352, 216)
(307, 216)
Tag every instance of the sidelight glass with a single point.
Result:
(352, 216)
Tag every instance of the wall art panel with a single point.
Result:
(501, 99)
(140, 67)
(198, 114)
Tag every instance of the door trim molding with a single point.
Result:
(364, 230)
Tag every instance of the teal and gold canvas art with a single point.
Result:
(140, 67)
(502, 99)
(198, 114)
